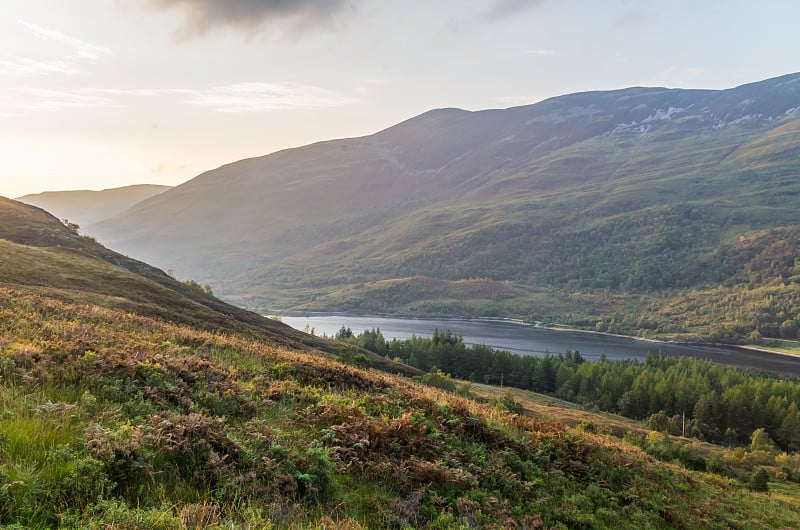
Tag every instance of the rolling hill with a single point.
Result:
(85, 207)
(573, 208)
(131, 400)
(41, 254)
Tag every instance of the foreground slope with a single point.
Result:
(42, 254)
(635, 190)
(131, 402)
(87, 207)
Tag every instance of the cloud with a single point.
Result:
(25, 66)
(67, 61)
(260, 97)
(250, 16)
(166, 167)
(500, 9)
(542, 53)
(81, 49)
(43, 99)
(236, 99)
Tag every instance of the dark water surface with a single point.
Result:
(531, 340)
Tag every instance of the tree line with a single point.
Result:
(681, 395)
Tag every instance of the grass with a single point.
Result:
(564, 411)
(791, 347)
(307, 415)
(112, 418)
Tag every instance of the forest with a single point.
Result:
(679, 395)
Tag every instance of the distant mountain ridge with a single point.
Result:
(632, 189)
(85, 207)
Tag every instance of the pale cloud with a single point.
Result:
(365, 85)
(500, 9)
(166, 167)
(251, 16)
(43, 99)
(236, 99)
(540, 52)
(80, 48)
(73, 52)
(25, 66)
(160, 168)
(260, 97)
(132, 92)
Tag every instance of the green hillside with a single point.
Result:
(577, 255)
(131, 400)
(573, 209)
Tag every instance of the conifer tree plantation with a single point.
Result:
(676, 395)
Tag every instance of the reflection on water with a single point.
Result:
(531, 340)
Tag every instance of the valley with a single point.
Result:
(364, 265)
(133, 400)
(589, 210)
(608, 221)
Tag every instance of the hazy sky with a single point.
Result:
(102, 93)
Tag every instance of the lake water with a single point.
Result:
(532, 340)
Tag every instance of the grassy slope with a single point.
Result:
(41, 253)
(544, 197)
(625, 223)
(120, 412)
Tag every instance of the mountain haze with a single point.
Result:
(633, 190)
(85, 207)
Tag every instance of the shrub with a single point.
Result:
(691, 459)
(507, 402)
(439, 379)
(587, 426)
(349, 355)
(465, 390)
(759, 480)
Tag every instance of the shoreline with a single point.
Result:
(765, 350)
(552, 327)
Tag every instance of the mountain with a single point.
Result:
(86, 207)
(132, 400)
(561, 208)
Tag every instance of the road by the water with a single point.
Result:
(531, 340)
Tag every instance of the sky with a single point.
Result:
(97, 94)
